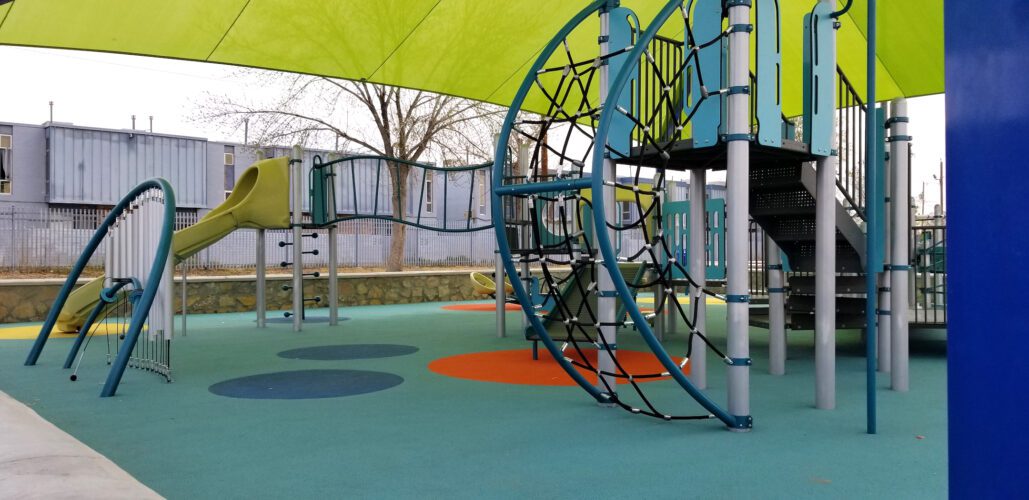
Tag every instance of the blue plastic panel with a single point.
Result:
(769, 74)
(622, 26)
(819, 80)
(987, 189)
(707, 24)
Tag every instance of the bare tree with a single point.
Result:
(382, 120)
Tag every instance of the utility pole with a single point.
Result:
(51, 111)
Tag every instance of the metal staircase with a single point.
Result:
(782, 202)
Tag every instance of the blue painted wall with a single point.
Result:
(987, 66)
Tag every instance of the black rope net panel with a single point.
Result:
(559, 142)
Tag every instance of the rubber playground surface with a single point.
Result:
(406, 401)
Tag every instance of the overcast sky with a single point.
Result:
(104, 90)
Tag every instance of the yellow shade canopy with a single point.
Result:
(478, 49)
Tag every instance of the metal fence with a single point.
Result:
(47, 238)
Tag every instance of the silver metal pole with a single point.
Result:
(883, 341)
(776, 309)
(899, 144)
(333, 276)
(737, 226)
(501, 298)
(261, 282)
(660, 301)
(297, 170)
(606, 303)
(183, 293)
(825, 274)
(697, 268)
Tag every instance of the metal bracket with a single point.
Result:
(746, 28)
(738, 299)
(776, 290)
(894, 138)
(774, 267)
(737, 137)
(607, 293)
(600, 345)
(737, 3)
(603, 39)
(740, 362)
(895, 119)
(883, 312)
(743, 422)
(897, 267)
(738, 89)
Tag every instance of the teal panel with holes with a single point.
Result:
(769, 74)
(676, 216)
(623, 26)
(819, 79)
(707, 75)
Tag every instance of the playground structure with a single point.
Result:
(268, 195)
(648, 104)
(679, 93)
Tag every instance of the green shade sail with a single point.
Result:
(478, 49)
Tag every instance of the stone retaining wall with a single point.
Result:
(30, 299)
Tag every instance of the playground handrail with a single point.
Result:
(317, 174)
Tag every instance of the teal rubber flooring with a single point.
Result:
(437, 437)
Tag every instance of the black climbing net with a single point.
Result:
(557, 144)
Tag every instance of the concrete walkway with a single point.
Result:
(38, 460)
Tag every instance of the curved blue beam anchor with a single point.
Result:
(604, 241)
(108, 296)
(503, 244)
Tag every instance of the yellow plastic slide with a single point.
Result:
(259, 201)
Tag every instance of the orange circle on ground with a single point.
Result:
(518, 367)
(481, 307)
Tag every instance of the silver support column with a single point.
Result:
(899, 260)
(697, 269)
(501, 295)
(737, 225)
(296, 164)
(185, 309)
(333, 276)
(261, 281)
(333, 235)
(825, 272)
(776, 309)
(606, 303)
(825, 284)
(883, 341)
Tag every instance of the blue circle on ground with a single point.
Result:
(306, 384)
(309, 319)
(348, 351)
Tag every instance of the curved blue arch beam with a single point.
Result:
(503, 244)
(91, 247)
(604, 241)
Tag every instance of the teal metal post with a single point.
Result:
(872, 208)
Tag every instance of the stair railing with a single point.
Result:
(850, 140)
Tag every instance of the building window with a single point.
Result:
(429, 198)
(229, 160)
(482, 195)
(627, 212)
(5, 164)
